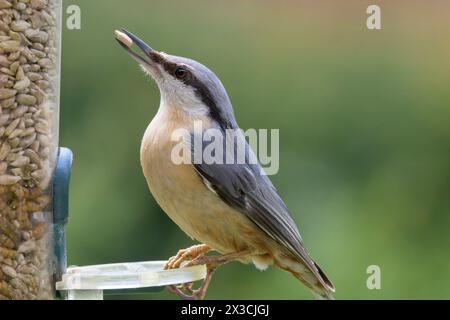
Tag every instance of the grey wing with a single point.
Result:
(245, 188)
(254, 196)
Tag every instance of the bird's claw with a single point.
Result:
(176, 260)
(186, 291)
(183, 291)
(186, 255)
(187, 258)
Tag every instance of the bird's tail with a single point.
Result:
(324, 289)
(315, 279)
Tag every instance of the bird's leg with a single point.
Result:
(200, 293)
(185, 291)
(176, 261)
(179, 291)
(186, 254)
(212, 263)
(219, 260)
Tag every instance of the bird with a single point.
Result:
(232, 209)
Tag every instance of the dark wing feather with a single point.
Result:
(245, 188)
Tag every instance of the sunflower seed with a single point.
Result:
(12, 126)
(14, 142)
(28, 131)
(10, 45)
(15, 133)
(9, 271)
(5, 4)
(22, 84)
(3, 167)
(45, 63)
(14, 56)
(19, 25)
(28, 72)
(7, 93)
(4, 150)
(34, 76)
(20, 6)
(8, 103)
(6, 71)
(123, 38)
(4, 62)
(18, 284)
(19, 111)
(4, 119)
(7, 180)
(26, 99)
(28, 141)
(27, 246)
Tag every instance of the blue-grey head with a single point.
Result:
(183, 83)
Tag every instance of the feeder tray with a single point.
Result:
(90, 282)
(139, 277)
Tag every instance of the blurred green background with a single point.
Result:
(364, 119)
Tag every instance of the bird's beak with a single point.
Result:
(126, 39)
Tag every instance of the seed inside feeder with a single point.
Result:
(29, 57)
(122, 37)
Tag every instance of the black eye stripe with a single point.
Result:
(170, 67)
(201, 91)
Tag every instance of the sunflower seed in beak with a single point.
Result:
(122, 37)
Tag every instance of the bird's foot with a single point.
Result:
(186, 255)
(186, 291)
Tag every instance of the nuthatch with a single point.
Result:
(233, 209)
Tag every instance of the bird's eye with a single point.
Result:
(181, 73)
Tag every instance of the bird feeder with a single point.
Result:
(29, 114)
(35, 172)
